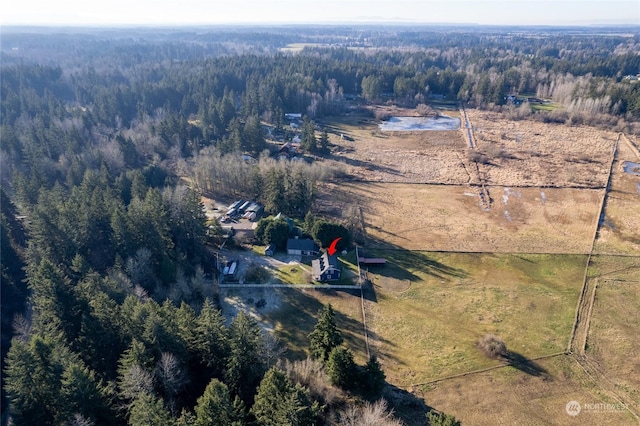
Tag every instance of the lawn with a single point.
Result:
(294, 274)
(431, 309)
(297, 314)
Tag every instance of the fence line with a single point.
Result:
(314, 286)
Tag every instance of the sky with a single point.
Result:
(205, 12)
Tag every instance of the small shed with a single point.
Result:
(372, 261)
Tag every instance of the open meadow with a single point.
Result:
(507, 396)
(412, 157)
(450, 218)
(511, 153)
(532, 153)
(619, 232)
(431, 309)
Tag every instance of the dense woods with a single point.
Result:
(107, 140)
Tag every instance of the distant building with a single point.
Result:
(256, 208)
(436, 96)
(302, 247)
(369, 261)
(270, 250)
(326, 268)
(290, 222)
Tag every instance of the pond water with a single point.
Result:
(632, 168)
(409, 124)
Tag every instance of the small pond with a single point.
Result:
(412, 124)
(632, 168)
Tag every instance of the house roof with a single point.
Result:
(301, 244)
(323, 264)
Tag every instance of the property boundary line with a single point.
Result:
(364, 323)
(494, 185)
(299, 286)
(584, 291)
(482, 370)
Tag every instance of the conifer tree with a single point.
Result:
(341, 368)
(325, 335)
(148, 410)
(245, 365)
(214, 407)
(33, 373)
(211, 339)
(279, 402)
(374, 378)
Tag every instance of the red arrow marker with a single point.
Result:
(332, 247)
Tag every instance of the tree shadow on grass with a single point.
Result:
(298, 313)
(400, 263)
(408, 407)
(524, 364)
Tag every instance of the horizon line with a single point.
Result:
(355, 22)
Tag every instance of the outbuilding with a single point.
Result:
(302, 247)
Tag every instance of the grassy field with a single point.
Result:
(619, 233)
(540, 154)
(510, 397)
(432, 308)
(428, 310)
(607, 375)
(517, 153)
(613, 342)
(293, 274)
(297, 312)
(450, 218)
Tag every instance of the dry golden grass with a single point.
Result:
(418, 157)
(613, 342)
(450, 218)
(510, 397)
(531, 153)
(620, 231)
(519, 153)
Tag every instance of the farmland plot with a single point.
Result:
(620, 228)
(529, 153)
(450, 218)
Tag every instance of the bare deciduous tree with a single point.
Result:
(135, 381)
(371, 414)
(171, 377)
